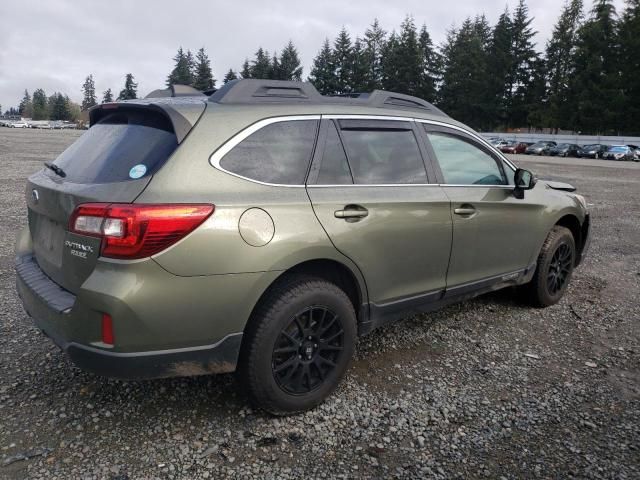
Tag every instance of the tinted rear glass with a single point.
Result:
(122, 146)
(277, 153)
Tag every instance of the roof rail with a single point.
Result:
(176, 90)
(256, 91)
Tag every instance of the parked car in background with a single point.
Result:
(540, 148)
(621, 153)
(636, 152)
(564, 150)
(596, 150)
(127, 264)
(19, 125)
(514, 147)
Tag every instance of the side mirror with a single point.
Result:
(524, 180)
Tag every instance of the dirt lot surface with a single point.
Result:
(485, 389)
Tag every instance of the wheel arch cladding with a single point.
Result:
(573, 224)
(326, 269)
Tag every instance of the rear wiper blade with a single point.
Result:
(56, 169)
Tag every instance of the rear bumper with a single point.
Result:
(73, 323)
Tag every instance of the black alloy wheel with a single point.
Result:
(307, 350)
(559, 268)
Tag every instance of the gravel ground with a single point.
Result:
(485, 389)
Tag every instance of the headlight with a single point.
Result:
(582, 200)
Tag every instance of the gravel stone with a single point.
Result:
(485, 389)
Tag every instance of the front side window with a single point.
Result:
(384, 156)
(463, 163)
(277, 153)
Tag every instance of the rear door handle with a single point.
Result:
(464, 211)
(351, 211)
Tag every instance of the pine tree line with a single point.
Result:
(488, 76)
(42, 107)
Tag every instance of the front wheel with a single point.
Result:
(298, 345)
(553, 270)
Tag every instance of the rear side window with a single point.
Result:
(121, 146)
(384, 156)
(277, 153)
(463, 163)
(334, 169)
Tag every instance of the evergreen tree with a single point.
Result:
(25, 108)
(560, 52)
(322, 71)
(342, 60)
(359, 68)
(107, 96)
(246, 69)
(230, 75)
(430, 67)
(374, 41)
(59, 107)
(524, 60)
(290, 67)
(203, 75)
(597, 101)
(629, 40)
(274, 71)
(182, 72)
(261, 66)
(130, 90)
(409, 68)
(89, 93)
(500, 63)
(390, 62)
(40, 107)
(463, 93)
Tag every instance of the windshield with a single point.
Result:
(122, 146)
(618, 149)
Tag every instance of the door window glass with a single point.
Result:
(384, 156)
(463, 163)
(334, 169)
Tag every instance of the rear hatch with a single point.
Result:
(112, 162)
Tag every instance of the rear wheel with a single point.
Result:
(553, 270)
(298, 346)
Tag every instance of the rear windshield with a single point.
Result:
(121, 146)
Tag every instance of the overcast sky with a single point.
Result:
(55, 44)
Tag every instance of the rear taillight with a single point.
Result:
(130, 231)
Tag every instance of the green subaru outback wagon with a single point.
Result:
(263, 228)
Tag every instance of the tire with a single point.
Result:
(556, 260)
(305, 317)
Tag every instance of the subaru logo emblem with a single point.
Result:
(35, 195)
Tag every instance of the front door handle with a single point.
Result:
(351, 212)
(465, 211)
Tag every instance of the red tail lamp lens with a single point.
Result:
(131, 231)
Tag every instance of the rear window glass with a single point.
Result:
(277, 153)
(122, 146)
(384, 156)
